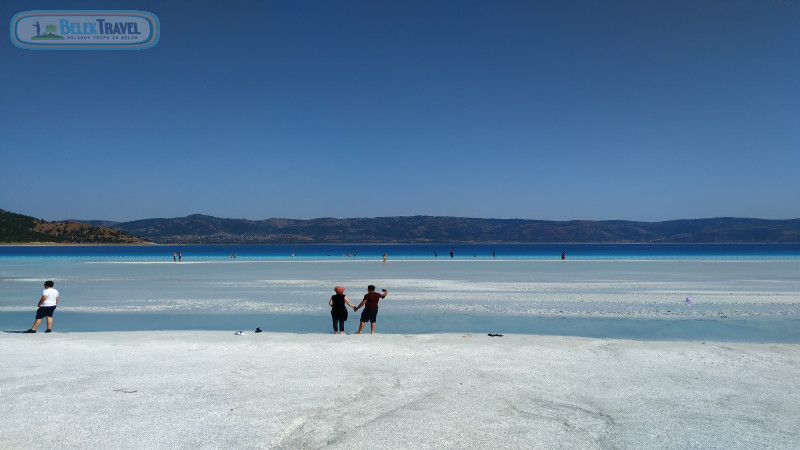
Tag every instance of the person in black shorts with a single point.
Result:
(370, 313)
(338, 310)
(47, 305)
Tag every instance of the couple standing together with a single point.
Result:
(370, 313)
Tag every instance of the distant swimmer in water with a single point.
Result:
(563, 255)
(451, 254)
(384, 257)
(435, 255)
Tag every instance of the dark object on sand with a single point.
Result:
(258, 330)
(495, 335)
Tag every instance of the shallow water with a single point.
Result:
(753, 295)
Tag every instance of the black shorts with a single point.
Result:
(45, 311)
(369, 315)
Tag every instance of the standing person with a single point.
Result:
(370, 312)
(174, 257)
(47, 305)
(338, 310)
(180, 256)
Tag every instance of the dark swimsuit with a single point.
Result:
(339, 310)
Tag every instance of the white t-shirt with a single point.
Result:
(51, 295)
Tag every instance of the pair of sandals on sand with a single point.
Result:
(241, 332)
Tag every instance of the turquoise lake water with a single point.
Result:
(745, 293)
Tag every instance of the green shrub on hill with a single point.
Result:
(18, 228)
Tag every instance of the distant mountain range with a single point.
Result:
(18, 228)
(200, 229)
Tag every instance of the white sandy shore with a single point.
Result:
(213, 389)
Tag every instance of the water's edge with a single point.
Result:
(722, 330)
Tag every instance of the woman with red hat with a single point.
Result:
(338, 310)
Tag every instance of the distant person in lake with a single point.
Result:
(384, 257)
(338, 310)
(179, 257)
(174, 257)
(370, 304)
(451, 254)
(47, 305)
(563, 255)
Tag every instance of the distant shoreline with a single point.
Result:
(67, 244)
(75, 244)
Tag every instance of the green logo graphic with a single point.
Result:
(51, 32)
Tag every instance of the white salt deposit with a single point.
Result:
(213, 389)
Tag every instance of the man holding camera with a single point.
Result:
(370, 312)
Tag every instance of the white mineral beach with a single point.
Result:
(201, 389)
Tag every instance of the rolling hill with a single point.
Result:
(201, 229)
(18, 228)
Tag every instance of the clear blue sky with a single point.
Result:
(556, 110)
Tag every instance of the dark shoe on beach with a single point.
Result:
(48, 330)
(31, 331)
